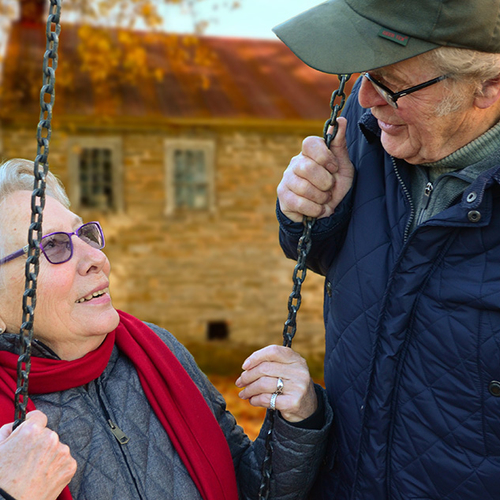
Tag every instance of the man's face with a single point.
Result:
(415, 132)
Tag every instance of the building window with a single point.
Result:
(96, 174)
(189, 175)
(96, 178)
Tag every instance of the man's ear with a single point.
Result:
(489, 93)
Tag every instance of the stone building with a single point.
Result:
(181, 168)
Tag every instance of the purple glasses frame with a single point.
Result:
(97, 244)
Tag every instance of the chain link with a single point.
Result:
(336, 109)
(41, 167)
(299, 275)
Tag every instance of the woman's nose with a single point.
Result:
(90, 259)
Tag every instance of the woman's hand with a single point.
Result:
(263, 368)
(33, 462)
(317, 179)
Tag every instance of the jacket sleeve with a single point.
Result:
(297, 452)
(327, 236)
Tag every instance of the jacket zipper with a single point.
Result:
(408, 197)
(120, 436)
(429, 188)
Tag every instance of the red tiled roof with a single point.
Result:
(247, 79)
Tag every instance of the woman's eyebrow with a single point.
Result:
(77, 222)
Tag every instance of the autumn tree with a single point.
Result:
(115, 41)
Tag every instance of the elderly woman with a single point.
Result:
(138, 416)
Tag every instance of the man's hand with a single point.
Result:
(317, 179)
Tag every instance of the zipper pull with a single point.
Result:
(429, 188)
(426, 198)
(120, 436)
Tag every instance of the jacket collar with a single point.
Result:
(369, 126)
(10, 342)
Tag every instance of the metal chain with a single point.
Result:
(41, 167)
(299, 275)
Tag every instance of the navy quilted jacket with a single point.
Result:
(412, 334)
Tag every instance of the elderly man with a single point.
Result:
(408, 238)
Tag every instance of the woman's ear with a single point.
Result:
(2, 326)
(489, 94)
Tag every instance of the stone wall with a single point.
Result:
(186, 270)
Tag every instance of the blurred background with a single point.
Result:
(173, 123)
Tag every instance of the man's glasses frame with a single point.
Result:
(82, 232)
(392, 97)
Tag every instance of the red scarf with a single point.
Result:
(174, 397)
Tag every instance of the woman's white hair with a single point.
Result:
(17, 175)
(468, 70)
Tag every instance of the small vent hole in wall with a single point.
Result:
(217, 330)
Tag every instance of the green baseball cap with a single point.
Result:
(351, 36)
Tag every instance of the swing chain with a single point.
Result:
(44, 132)
(336, 109)
(299, 275)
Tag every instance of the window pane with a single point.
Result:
(190, 177)
(96, 178)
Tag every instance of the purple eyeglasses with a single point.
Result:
(58, 247)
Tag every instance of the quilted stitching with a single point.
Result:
(148, 467)
(412, 341)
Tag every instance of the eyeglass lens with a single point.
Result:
(58, 247)
(381, 91)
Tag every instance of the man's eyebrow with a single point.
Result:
(387, 77)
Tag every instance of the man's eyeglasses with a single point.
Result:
(391, 97)
(58, 247)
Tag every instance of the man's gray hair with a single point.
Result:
(466, 64)
(468, 70)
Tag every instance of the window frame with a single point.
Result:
(75, 145)
(207, 146)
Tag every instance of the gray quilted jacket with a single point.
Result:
(95, 421)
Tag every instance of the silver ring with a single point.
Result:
(279, 386)
(272, 404)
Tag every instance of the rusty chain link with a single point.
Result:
(299, 275)
(44, 132)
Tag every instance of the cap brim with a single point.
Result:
(333, 38)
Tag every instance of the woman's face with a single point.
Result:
(70, 326)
